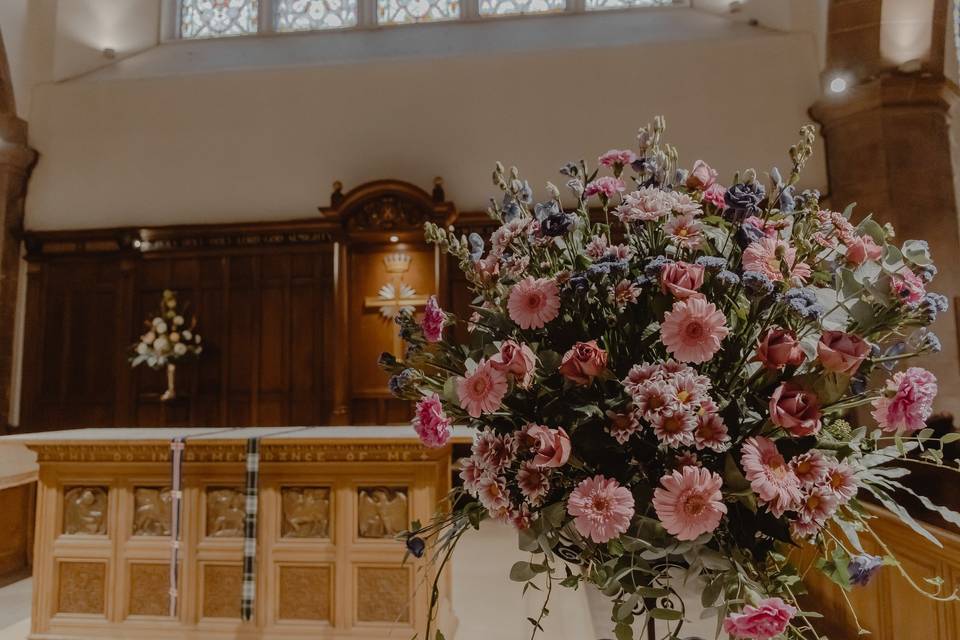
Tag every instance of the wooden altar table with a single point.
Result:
(331, 500)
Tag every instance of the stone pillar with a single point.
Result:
(889, 148)
(16, 161)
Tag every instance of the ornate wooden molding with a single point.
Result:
(388, 206)
(235, 453)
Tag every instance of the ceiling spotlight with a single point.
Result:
(838, 85)
(394, 238)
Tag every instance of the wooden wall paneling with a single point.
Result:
(239, 354)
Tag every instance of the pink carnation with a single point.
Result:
(693, 329)
(604, 186)
(908, 401)
(770, 477)
(433, 321)
(430, 422)
(602, 509)
(616, 157)
(715, 195)
(766, 620)
(534, 302)
(771, 257)
(646, 203)
(689, 502)
(481, 390)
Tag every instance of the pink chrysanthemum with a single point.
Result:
(693, 329)
(481, 390)
(810, 468)
(690, 503)
(625, 292)
(433, 320)
(651, 398)
(909, 401)
(684, 231)
(771, 478)
(602, 509)
(646, 203)
(688, 391)
(597, 247)
(534, 302)
(683, 204)
(533, 483)
(638, 374)
(842, 481)
(492, 493)
(471, 471)
(803, 529)
(622, 425)
(711, 433)
(674, 427)
(430, 422)
(493, 452)
(604, 186)
(771, 256)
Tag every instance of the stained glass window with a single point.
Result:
(307, 15)
(513, 7)
(407, 11)
(213, 18)
(593, 5)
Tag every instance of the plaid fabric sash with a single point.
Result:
(251, 490)
(176, 500)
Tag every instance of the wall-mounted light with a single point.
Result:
(109, 53)
(394, 239)
(838, 85)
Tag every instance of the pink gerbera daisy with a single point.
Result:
(534, 302)
(602, 509)
(690, 503)
(674, 427)
(909, 401)
(693, 329)
(771, 257)
(481, 390)
(711, 433)
(771, 478)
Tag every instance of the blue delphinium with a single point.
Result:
(476, 246)
(862, 567)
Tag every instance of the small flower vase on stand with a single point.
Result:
(171, 392)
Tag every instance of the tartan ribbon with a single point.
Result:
(251, 490)
(177, 446)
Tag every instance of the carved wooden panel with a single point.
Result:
(305, 593)
(305, 512)
(85, 511)
(81, 587)
(383, 594)
(16, 529)
(149, 589)
(222, 586)
(226, 510)
(382, 512)
(151, 511)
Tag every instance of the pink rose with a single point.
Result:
(433, 320)
(583, 362)
(516, 359)
(766, 620)
(780, 348)
(552, 445)
(796, 410)
(862, 249)
(682, 279)
(842, 352)
(702, 176)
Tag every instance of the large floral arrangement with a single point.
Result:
(168, 336)
(659, 378)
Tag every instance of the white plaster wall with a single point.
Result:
(251, 144)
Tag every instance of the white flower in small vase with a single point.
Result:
(187, 336)
(162, 344)
(178, 320)
(174, 337)
(143, 348)
(179, 348)
(149, 337)
(172, 303)
(162, 327)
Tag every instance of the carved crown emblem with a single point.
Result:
(397, 262)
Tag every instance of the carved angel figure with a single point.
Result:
(382, 512)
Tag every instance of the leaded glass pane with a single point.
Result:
(407, 11)
(215, 18)
(513, 7)
(308, 15)
(593, 5)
